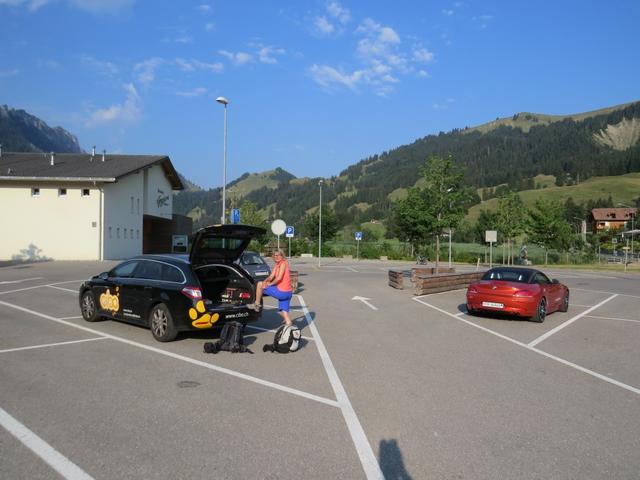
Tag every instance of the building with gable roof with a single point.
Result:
(611, 218)
(87, 206)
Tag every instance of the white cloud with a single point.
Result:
(32, 5)
(266, 53)
(444, 105)
(127, 112)
(102, 67)
(146, 70)
(423, 55)
(48, 63)
(424, 74)
(102, 6)
(448, 12)
(210, 26)
(9, 73)
(238, 58)
(337, 11)
(196, 92)
(192, 65)
(327, 77)
(332, 21)
(204, 8)
(323, 26)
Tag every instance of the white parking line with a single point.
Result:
(607, 293)
(42, 449)
(538, 351)
(5, 282)
(39, 286)
(193, 361)
(613, 318)
(367, 458)
(569, 322)
(75, 292)
(52, 344)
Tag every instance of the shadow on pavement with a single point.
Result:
(391, 462)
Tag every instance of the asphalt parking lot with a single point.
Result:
(385, 385)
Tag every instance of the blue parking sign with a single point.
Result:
(235, 215)
(290, 232)
(358, 236)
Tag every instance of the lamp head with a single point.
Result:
(222, 100)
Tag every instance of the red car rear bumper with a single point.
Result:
(521, 306)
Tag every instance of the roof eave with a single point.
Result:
(58, 179)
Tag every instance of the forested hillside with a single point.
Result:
(572, 149)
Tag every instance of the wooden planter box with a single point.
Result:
(443, 282)
(415, 271)
(396, 279)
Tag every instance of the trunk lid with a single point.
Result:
(221, 243)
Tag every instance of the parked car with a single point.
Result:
(173, 293)
(253, 263)
(525, 292)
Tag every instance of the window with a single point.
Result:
(110, 232)
(138, 206)
(86, 192)
(123, 270)
(125, 233)
(118, 232)
(131, 234)
(35, 192)
(131, 204)
(138, 234)
(62, 192)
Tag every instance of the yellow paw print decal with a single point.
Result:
(110, 302)
(202, 321)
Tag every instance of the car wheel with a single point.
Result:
(541, 311)
(88, 307)
(161, 323)
(470, 311)
(564, 306)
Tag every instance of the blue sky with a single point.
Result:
(313, 86)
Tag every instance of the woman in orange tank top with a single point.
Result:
(277, 285)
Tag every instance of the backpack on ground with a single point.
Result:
(286, 339)
(231, 340)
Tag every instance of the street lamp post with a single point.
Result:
(225, 102)
(320, 225)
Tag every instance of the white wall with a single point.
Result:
(123, 211)
(159, 196)
(49, 225)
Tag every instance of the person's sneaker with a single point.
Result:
(256, 307)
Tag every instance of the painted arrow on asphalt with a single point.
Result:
(364, 300)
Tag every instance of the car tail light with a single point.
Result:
(193, 293)
(523, 293)
(245, 295)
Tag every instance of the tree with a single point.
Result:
(438, 206)
(249, 215)
(310, 224)
(511, 218)
(547, 226)
(487, 220)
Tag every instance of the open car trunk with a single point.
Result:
(224, 286)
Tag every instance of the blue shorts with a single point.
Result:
(284, 298)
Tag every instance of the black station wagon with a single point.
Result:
(173, 293)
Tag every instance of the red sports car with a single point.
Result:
(525, 292)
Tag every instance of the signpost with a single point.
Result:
(278, 227)
(289, 234)
(358, 238)
(491, 236)
(235, 215)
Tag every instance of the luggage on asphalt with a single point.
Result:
(286, 339)
(231, 340)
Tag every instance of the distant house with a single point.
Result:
(611, 218)
(86, 206)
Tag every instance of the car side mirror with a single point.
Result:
(103, 275)
(555, 280)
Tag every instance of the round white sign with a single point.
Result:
(278, 227)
